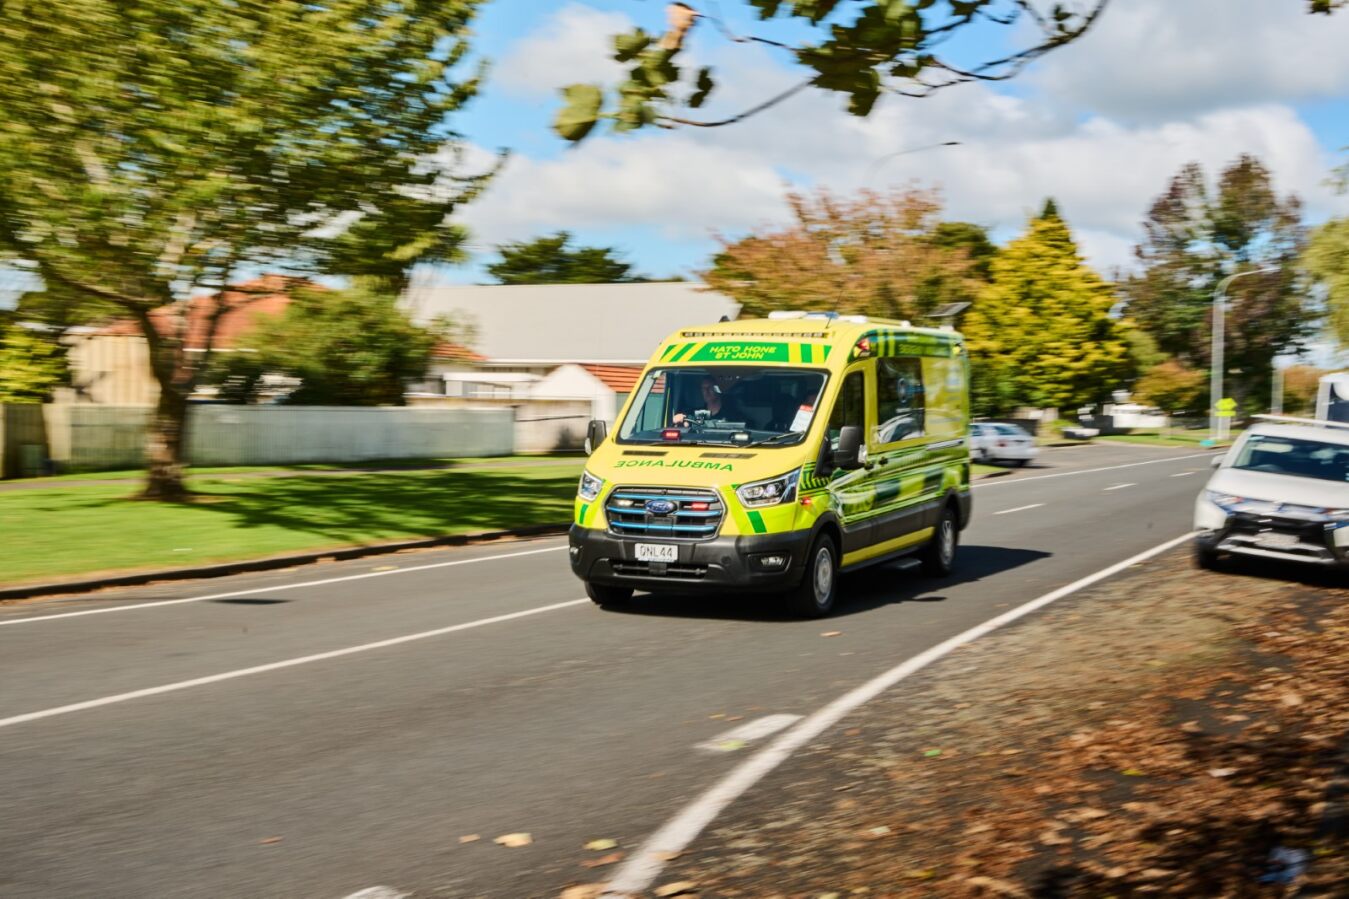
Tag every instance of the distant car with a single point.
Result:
(1281, 492)
(997, 442)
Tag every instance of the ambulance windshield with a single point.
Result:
(723, 405)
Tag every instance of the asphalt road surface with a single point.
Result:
(327, 729)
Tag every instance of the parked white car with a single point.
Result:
(998, 442)
(1281, 492)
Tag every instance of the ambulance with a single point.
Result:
(771, 455)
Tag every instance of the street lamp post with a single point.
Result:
(1219, 324)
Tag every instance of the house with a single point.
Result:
(556, 341)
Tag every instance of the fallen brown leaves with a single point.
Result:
(1167, 734)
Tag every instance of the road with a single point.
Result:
(468, 691)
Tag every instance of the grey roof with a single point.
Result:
(571, 322)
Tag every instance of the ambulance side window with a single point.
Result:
(849, 408)
(899, 399)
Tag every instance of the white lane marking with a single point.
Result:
(1118, 487)
(740, 737)
(378, 893)
(1183, 474)
(276, 588)
(277, 666)
(643, 867)
(1003, 482)
(1019, 509)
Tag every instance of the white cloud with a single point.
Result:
(573, 45)
(1156, 60)
(1104, 169)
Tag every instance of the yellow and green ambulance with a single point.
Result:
(771, 454)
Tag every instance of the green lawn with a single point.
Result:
(979, 469)
(74, 529)
(1169, 438)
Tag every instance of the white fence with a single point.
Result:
(92, 438)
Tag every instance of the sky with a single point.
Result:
(1100, 125)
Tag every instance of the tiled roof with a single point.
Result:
(618, 378)
(455, 352)
(245, 305)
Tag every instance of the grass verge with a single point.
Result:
(64, 531)
(1177, 438)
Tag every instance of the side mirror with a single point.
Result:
(1218, 460)
(848, 452)
(596, 431)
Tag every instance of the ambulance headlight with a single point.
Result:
(590, 486)
(771, 492)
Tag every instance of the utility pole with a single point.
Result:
(1216, 422)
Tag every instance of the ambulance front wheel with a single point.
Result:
(607, 594)
(939, 556)
(814, 597)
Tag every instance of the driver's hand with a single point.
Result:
(679, 418)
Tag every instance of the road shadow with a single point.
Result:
(871, 588)
(1272, 569)
(250, 601)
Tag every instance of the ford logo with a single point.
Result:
(660, 506)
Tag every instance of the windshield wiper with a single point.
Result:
(774, 439)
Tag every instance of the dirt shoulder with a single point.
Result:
(1171, 732)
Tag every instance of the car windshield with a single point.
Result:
(723, 405)
(1291, 456)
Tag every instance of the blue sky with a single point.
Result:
(1100, 125)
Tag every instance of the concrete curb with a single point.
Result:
(269, 563)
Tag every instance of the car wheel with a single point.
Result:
(608, 595)
(814, 596)
(939, 556)
(1207, 559)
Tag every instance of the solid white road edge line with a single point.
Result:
(275, 588)
(378, 893)
(676, 834)
(1019, 509)
(1118, 487)
(1183, 474)
(277, 666)
(1003, 482)
(738, 737)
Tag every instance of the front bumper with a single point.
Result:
(718, 564)
(1275, 537)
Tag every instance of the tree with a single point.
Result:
(549, 260)
(32, 364)
(352, 347)
(1172, 387)
(879, 254)
(1301, 383)
(151, 150)
(860, 49)
(1195, 237)
(1327, 260)
(1041, 333)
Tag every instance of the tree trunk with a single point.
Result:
(165, 447)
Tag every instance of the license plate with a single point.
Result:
(1277, 541)
(657, 552)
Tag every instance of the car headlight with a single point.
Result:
(771, 492)
(590, 486)
(1225, 501)
(1337, 515)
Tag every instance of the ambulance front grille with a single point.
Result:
(695, 513)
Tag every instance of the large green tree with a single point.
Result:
(1041, 333)
(878, 254)
(552, 260)
(862, 49)
(32, 363)
(150, 149)
(1193, 238)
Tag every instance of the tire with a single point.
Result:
(939, 556)
(607, 595)
(1207, 559)
(1020, 463)
(814, 596)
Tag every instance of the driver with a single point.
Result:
(720, 406)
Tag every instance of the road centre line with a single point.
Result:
(1019, 509)
(1118, 487)
(273, 589)
(1003, 482)
(758, 729)
(1183, 474)
(355, 577)
(277, 666)
(644, 866)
